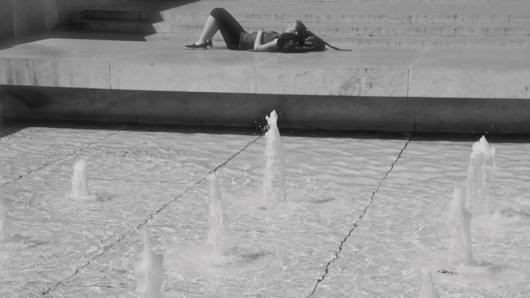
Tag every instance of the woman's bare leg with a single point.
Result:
(208, 31)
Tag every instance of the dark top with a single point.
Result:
(247, 39)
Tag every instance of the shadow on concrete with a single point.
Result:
(473, 137)
(15, 125)
(167, 4)
(18, 124)
(127, 21)
(130, 21)
(416, 136)
(8, 128)
(299, 115)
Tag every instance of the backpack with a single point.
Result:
(314, 43)
(311, 43)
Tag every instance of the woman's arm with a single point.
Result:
(258, 46)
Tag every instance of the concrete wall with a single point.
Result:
(392, 114)
(68, 7)
(20, 19)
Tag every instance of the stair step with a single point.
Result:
(355, 29)
(471, 2)
(443, 23)
(342, 11)
(327, 17)
(446, 42)
(112, 26)
(202, 8)
(125, 15)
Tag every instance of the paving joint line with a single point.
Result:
(76, 151)
(356, 223)
(137, 227)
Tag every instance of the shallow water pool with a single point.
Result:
(364, 214)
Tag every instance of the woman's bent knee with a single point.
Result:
(218, 12)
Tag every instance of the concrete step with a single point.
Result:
(403, 7)
(364, 1)
(434, 42)
(118, 26)
(360, 22)
(352, 29)
(406, 11)
(264, 19)
(125, 15)
(359, 29)
(342, 17)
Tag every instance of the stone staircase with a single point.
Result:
(429, 23)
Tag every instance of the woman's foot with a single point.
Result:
(195, 46)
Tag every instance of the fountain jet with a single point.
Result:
(273, 185)
(80, 182)
(481, 169)
(427, 287)
(460, 230)
(216, 233)
(149, 271)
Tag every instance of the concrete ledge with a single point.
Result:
(471, 73)
(476, 115)
(44, 72)
(166, 66)
(385, 89)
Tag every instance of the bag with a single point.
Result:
(311, 43)
(314, 43)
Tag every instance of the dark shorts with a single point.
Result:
(230, 28)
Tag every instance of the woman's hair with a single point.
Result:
(290, 40)
(300, 28)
